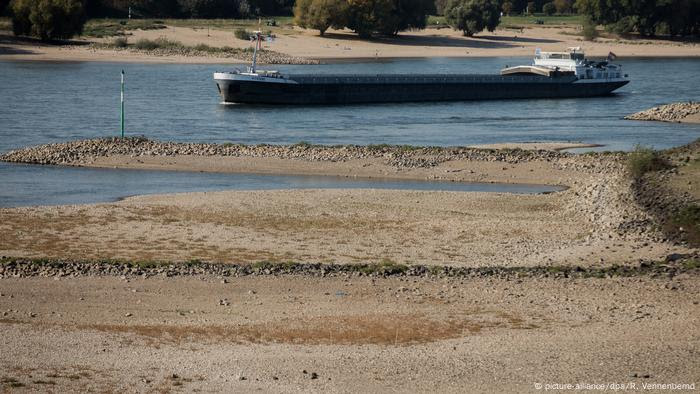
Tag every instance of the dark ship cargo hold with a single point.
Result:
(553, 75)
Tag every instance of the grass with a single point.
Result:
(546, 20)
(117, 27)
(158, 43)
(108, 27)
(644, 159)
(176, 47)
(687, 219)
(521, 21)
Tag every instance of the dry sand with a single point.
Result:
(594, 222)
(291, 334)
(346, 45)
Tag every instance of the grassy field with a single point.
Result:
(519, 21)
(116, 27)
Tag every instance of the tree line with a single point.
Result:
(187, 8)
(646, 17)
(55, 19)
(365, 17)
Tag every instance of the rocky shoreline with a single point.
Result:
(81, 151)
(264, 57)
(673, 265)
(674, 112)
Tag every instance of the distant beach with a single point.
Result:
(336, 45)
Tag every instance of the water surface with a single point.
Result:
(24, 185)
(52, 102)
(46, 102)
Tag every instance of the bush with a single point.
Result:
(120, 42)
(242, 34)
(643, 160)
(589, 30)
(473, 16)
(158, 43)
(549, 9)
(48, 19)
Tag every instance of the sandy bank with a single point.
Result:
(345, 45)
(595, 221)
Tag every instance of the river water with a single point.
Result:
(44, 102)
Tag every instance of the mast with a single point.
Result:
(258, 34)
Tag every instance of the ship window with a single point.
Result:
(577, 56)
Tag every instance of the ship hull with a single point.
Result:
(335, 91)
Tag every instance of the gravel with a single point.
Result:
(674, 112)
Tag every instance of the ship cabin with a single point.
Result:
(575, 60)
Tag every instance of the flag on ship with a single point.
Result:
(611, 56)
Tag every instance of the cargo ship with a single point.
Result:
(552, 75)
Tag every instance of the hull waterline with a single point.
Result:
(335, 91)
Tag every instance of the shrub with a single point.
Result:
(120, 42)
(158, 43)
(643, 160)
(48, 19)
(242, 34)
(589, 30)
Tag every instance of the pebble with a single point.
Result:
(81, 151)
(674, 112)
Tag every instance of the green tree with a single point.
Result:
(549, 9)
(321, 14)
(647, 17)
(408, 14)
(507, 8)
(48, 19)
(473, 16)
(366, 17)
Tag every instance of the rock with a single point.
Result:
(128, 315)
(674, 112)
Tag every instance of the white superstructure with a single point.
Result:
(575, 60)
